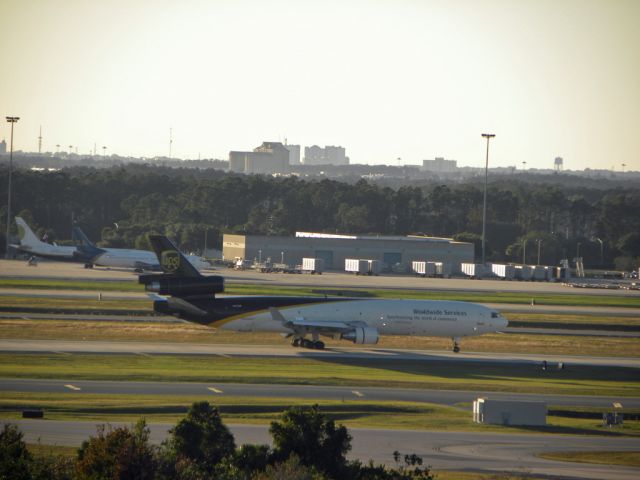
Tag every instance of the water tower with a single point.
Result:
(557, 164)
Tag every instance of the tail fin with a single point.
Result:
(27, 237)
(171, 260)
(80, 237)
(85, 247)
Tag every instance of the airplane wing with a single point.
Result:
(315, 325)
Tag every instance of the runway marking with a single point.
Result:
(73, 387)
(62, 353)
(144, 354)
(214, 389)
(357, 393)
(223, 355)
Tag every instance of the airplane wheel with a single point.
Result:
(318, 345)
(295, 342)
(306, 343)
(456, 349)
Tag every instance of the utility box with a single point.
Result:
(509, 412)
(313, 265)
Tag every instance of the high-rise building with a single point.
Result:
(294, 154)
(270, 157)
(328, 155)
(440, 165)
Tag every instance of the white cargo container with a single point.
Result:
(506, 272)
(509, 412)
(539, 273)
(446, 269)
(313, 265)
(426, 269)
(357, 266)
(473, 270)
(375, 267)
(524, 272)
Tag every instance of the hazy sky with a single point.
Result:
(385, 79)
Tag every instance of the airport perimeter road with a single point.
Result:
(443, 397)
(91, 347)
(328, 280)
(487, 452)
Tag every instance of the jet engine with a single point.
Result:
(362, 335)
(182, 286)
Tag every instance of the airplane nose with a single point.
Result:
(504, 323)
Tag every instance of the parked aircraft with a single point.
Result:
(125, 257)
(183, 292)
(29, 243)
(86, 252)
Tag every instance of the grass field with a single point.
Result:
(192, 333)
(255, 410)
(573, 380)
(630, 459)
(81, 305)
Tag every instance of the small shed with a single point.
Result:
(509, 412)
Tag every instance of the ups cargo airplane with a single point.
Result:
(183, 292)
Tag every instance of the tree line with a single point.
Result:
(306, 446)
(119, 206)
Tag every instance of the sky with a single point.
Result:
(387, 80)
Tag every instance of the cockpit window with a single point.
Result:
(495, 315)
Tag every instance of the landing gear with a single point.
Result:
(306, 343)
(456, 346)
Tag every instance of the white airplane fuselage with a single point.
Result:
(433, 318)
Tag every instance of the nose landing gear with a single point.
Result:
(456, 346)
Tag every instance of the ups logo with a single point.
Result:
(170, 261)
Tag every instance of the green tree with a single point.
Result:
(306, 433)
(15, 459)
(120, 453)
(200, 440)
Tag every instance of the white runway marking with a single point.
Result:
(73, 387)
(357, 393)
(214, 390)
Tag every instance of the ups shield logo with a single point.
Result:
(170, 261)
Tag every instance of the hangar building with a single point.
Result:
(334, 249)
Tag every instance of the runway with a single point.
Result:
(335, 280)
(489, 452)
(312, 392)
(286, 351)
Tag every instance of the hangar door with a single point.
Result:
(390, 259)
(327, 256)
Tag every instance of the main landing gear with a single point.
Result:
(305, 343)
(456, 346)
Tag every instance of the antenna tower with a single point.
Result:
(40, 141)
(170, 141)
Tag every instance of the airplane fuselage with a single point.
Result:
(437, 318)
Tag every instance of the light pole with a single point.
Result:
(281, 257)
(578, 250)
(601, 250)
(524, 251)
(488, 136)
(11, 120)
(539, 244)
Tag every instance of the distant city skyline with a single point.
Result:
(393, 82)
